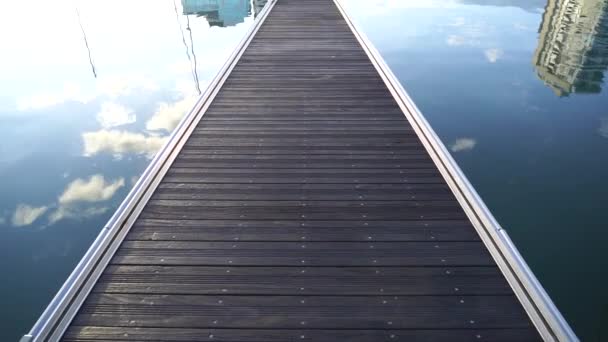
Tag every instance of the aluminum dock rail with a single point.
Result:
(304, 198)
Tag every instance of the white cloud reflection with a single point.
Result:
(463, 144)
(115, 85)
(92, 190)
(69, 212)
(467, 32)
(70, 92)
(493, 55)
(458, 22)
(95, 189)
(454, 40)
(70, 203)
(113, 114)
(466, 39)
(25, 214)
(111, 87)
(120, 142)
(169, 115)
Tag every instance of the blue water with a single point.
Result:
(522, 109)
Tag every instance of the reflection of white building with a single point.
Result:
(572, 52)
(218, 12)
(258, 5)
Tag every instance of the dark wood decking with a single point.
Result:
(303, 207)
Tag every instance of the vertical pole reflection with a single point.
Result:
(198, 89)
(181, 30)
(86, 43)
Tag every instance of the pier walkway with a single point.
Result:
(303, 199)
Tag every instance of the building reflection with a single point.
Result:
(258, 5)
(222, 13)
(572, 51)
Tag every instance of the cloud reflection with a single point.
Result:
(467, 33)
(120, 142)
(69, 212)
(463, 144)
(454, 40)
(109, 87)
(25, 214)
(168, 115)
(493, 55)
(70, 92)
(458, 22)
(113, 115)
(122, 85)
(94, 189)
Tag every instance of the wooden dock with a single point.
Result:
(303, 205)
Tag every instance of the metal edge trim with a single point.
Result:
(537, 303)
(58, 314)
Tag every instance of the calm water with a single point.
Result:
(513, 87)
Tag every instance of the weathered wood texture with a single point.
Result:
(303, 207)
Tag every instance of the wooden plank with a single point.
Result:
(334, 204)
(327, 212)
(303, 125)
(319, 131)
(179, 233)
(298, 230)
(281, 179)
(291, 192)
(333, 141)
(288, 150)
(325, 281)
(433, 226)
(312, 172)
(299, 164)
(388, 189)
(298, 136)
(94, 333)
(338, 254)
(294, 312)
(274, 179)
